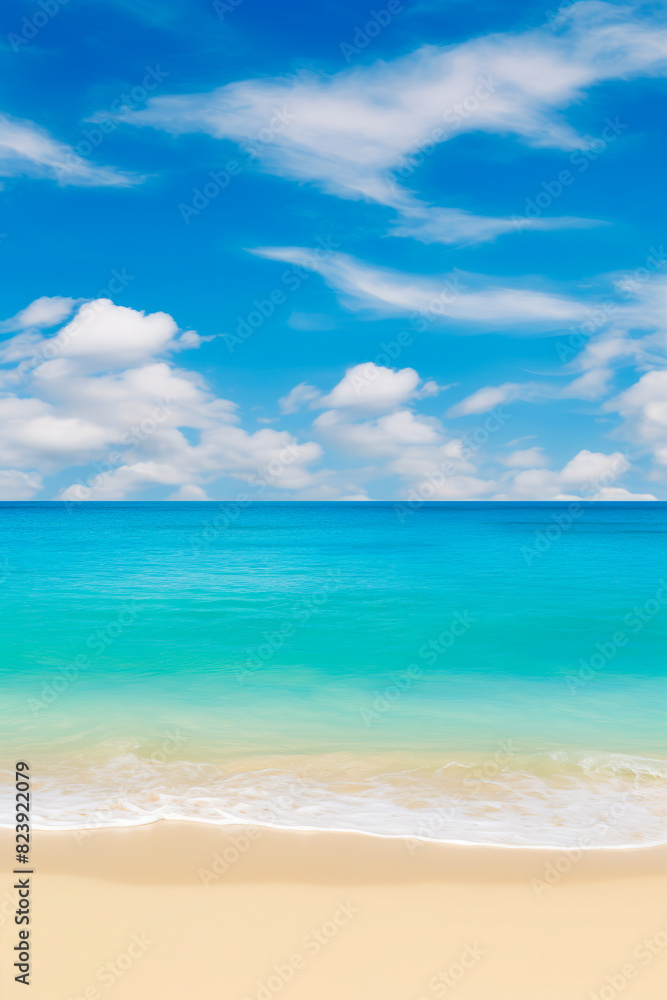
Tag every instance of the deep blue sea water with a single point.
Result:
(485, 672)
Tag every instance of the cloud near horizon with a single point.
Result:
(101, 407)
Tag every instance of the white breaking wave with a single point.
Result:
(563, 799)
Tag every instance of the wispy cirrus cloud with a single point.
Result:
(482, 302)
(27, 149)
(353, 133)
(490, 396)
(47, 311)
(456, 226)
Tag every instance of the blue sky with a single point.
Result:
(305, 251)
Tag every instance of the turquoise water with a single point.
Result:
(485, 672)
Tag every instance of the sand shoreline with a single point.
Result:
(173, 909)
(234, 827)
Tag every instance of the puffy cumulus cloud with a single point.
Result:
(383, 430)
(644, 407)
(267, 460)
(35, 433)
(275, 455)
(486, 303)
(101, 404)
(427, 462)
(115, 336)
(125, 480)
(589, 475)
(361, 132)
(416, 451)
(389, 435)
(593, 467)
(436, 485)
(370, 388)
(28, 150)
(365, 389)
(96, 393)
(617, 493)
(101, 336)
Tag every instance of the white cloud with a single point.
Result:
(112, 410)
(101, 336)
(490, 396)
(123, 481)
(431, 388)
(386, 436)
(35, 432)
(589, 475)
(486, 302)
(17, 485)
(190, 340)
(371, 422)
(44, 312)
(189, 492)
(456, 226)
(108, 335)
(356, 133)
(591, 385)
(627, 331)
(372, 389)
(617, 493)
(644, 407)
(437, 486)
(384, 430)
(589, 467)
(28, 150)
(364, 389)
(103, 397)
(526, 458)
(297, 397)
(628, 327)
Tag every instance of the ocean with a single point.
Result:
(485, 673)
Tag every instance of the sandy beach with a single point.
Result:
(172, 910)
